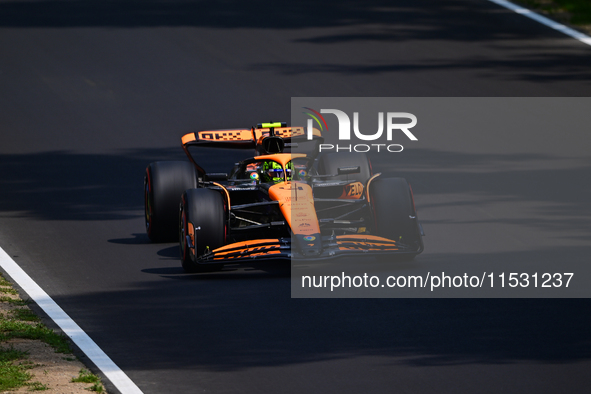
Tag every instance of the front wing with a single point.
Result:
(281, 248)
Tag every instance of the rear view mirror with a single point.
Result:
(215, 177)
(349, 170)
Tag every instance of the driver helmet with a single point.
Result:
(288, 171)
(272, 172)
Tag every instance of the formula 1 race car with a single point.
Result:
(277, 205)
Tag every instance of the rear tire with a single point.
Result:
(164, 183)
(329, 163)
(202, 210)
(394, 212)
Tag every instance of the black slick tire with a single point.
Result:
(202, 227)
(394, 212)
(164, 182)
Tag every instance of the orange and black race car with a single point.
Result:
(277, 204)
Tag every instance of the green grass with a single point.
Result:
(10, 328)
(37, 386)
(85, 376)
(24, 323)
(8, 290)
(11, 354)
(97, 387)
(580, 10)
(14, 302)
(24, 314)
(12, 375)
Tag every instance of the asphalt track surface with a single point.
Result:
(93, 91)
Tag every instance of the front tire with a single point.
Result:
(394, 212)
(164, 183)
(202, 227)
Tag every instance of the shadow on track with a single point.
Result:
(70, 186)
(219, 324)
(375, 21)
(414, 18)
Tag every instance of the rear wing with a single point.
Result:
(253, 138)
(242, 138)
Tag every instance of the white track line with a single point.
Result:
(70, 328)
(545, 21)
